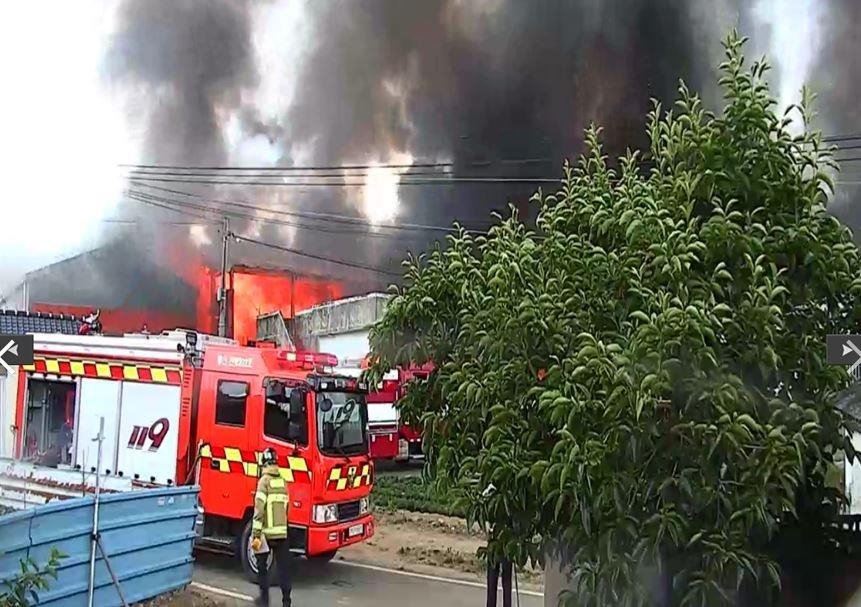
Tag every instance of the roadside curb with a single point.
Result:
(222, 592)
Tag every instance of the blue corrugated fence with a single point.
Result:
(148, 536)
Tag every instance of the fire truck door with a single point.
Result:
(99, 398)
(228, 474)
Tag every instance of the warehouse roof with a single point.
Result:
(19, 322)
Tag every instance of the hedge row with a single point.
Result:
(411, 493)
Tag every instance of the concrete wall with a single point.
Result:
(351, 315)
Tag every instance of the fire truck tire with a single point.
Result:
(249, 562)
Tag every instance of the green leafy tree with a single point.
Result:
(23, 590)
(641, 375)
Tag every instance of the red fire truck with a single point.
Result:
(183, 407)
(391, 438)
(383, 419)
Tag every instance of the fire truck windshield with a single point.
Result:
(342, 419)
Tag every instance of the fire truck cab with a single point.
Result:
(186, 408)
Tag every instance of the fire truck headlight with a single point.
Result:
(364, 505)
(326, 513)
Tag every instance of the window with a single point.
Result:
(230, 403)
(277, 423)
(342, 428)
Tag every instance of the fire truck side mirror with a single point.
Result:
(326, 405)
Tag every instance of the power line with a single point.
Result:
(214, 213)
(838, 138)
(314, 215)
(217, 212)
(208, 173)
(140, 221)
(341, 262)
(335, 167)
(426, 181)
(156, 203)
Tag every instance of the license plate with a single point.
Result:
(355, 530)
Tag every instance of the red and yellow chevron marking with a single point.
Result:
(240, 461)
(350, 477)
(106, 370)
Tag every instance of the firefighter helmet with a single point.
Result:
(269, 457)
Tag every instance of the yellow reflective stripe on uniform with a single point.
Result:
(278, 483)
(278, 529)
(260, 496)
(256, 525)
(277, 498)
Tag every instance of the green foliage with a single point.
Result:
(642, 376)
(414, 494)
(23, 589)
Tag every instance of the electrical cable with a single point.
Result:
(217, 212)
(342, 167)
(335, 167)
(141, 221)
(342, 262)
(312, 214)
(203, 173)
(297, 252)
(838, 138)
(426, 181)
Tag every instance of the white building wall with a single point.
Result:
(852, 478)
(352, 345)
(16, 299)
(8, 400)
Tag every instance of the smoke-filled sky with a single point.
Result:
(324, 82)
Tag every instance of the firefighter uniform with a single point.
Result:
(271, 502)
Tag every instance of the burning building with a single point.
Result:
(137, 294)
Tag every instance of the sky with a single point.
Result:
(62, 134)
(65, 128)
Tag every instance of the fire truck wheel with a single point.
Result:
(248, 558)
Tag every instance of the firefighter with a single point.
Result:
(270, 524)
(496, 567)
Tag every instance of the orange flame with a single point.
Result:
(257, 291)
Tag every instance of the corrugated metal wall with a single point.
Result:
(148, 536)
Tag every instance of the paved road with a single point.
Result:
(341, 584)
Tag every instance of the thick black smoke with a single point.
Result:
(498, 80)
(501, 88)
(836, 79)
(190, 61)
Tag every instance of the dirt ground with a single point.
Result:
(183, 598)
(428, 543)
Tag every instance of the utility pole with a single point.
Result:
(222, 292)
